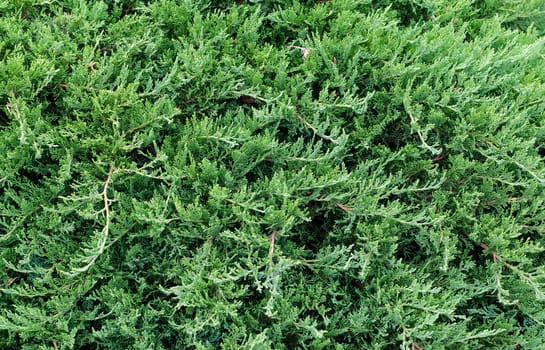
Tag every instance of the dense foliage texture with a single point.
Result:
(343, 174)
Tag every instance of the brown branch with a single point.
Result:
(495, 256)
(343, 207)
(415, 346)
(271, 248)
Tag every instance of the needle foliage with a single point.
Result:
(272, 174)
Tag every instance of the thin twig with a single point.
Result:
(514, 161)
(343, 207)
(415, 346)
(304, 51)
(314, 130)
(19, 223)
(526, 277)
(106, 199)
(106, 230)
(414, 121)
(271, 248)
(245, 206)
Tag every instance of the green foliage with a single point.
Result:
(272, 174)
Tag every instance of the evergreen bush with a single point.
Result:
(272, 174)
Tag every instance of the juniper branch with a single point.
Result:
(103, 235)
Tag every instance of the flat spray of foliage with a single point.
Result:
(343, 174)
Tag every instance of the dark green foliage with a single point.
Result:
(272, 174)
